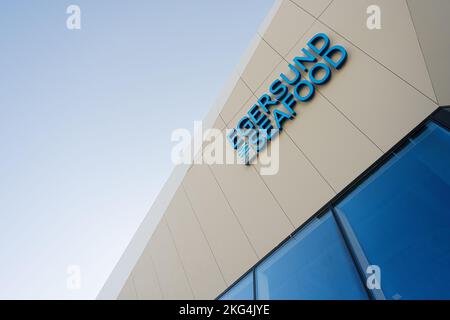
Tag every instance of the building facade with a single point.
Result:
(359, 206)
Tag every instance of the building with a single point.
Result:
(360, 205)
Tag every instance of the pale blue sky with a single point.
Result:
(85, 124)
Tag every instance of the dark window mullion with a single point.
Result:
(356, 262)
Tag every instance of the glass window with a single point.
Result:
(243, 290)
(314, 264)
(399, 219)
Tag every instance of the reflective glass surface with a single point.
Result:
(314, 264)
(399, 219)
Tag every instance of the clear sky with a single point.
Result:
(85, 123)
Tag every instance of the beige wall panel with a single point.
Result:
(430, 18)
(287, 26)
(243, 111)
(314, 7)
(264, 88)
(395, 45)
(225, 235)
(261, 217)
(295, 171)
(219, 123)
(199, 263)
(168, 267)
(209, 137)
(145, 278)
(376, 101)
(239, 95)
(336, 148)
(261, 64)
(128, 292)
(298, 187)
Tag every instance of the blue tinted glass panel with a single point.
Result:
(399, 219)
(314, 264)
(243, 290)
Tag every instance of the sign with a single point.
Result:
(265, 119)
